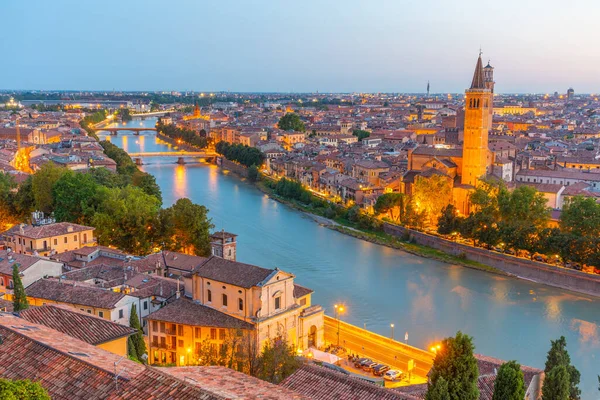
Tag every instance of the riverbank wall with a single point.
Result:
(233, 167)
(522, 268)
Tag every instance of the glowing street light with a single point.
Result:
(339, 309)
(392, 326)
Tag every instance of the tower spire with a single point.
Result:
(478, 81)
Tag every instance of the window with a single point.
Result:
(120, 313)
(10, 284)
(81, 309)
(209, 296)
(221, 334)
(179, 330)
(85, 237)
(89, 311)
(155, 326)
(162, 327)
(241, 305)
(224, 300)
(101, 314)
(180, 343)
(45, 245)
(197, 333)
(74, 238)
(66, 239)
(146, 305)
(56, 242)
(213, 334)
(1, 281)
(278, 303)
(303, 302)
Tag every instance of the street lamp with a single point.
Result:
(339, 309)
(392, 326)
(189, 350)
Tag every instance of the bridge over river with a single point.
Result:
(114, 130)
(180, 155)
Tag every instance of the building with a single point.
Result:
(226, 296)
(31, 269)
(103, 303)
(49, 239)
(96, 331)
(478, 106)
(223, 244)
(70, 368)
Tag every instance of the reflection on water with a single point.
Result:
(508, 318)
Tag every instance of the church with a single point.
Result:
(477, 158)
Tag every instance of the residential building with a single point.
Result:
(49, 239)
(31, 268)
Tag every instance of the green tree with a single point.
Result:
(19, 297)
(74, 194)
(558, 356)
(392, 204)
(361, 134)
(581, 216)
(556, 384)
(22, 390)
(42, 183)
(127, 219)
(147, 183)
(291, 121)
(24, 201)
(137, 339)
(253, 173)
(455, 363)
(131, 349)
(277, 361)
(439, 390)
(510, 384)
(186, 227)
(7, 212)
(449, 222)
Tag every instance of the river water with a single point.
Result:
(508, 318)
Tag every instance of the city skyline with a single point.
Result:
(390, 47)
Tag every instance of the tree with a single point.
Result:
(19, 297)
(510, 384)
(432, 194)
(361, 134)
(42, 183)
(24, 201)
(581, 216)
(7, 213)
(22, 390)
(556, 384)
(439, 391)
(186, 227)
(137, 339)
(558, 356)
(253, 173)
(449, 222)
(392, 204)
(73, 195)
(455, 363)
(291, 121)
(277, 361)
(131, 349)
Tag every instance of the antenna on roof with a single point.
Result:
(117, 374)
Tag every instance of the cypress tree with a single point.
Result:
(19, 297)
(559, 356)
(457, 365)
(556, 384)
(439, 390)
(510, 384)
(138, 337)
(131, 351)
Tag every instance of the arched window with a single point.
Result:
(224, 300)
(1, 281)
(241, 305)
(209, 296)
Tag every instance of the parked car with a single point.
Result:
(368, 366)
(392, 375)
(539, 257)
(511, 252)
(380, 369)
(358, 363)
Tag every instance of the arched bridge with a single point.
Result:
(125, 128)
(180, 155)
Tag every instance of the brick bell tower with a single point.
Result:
(488, 76)
(478, 108)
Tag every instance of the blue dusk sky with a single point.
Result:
(536, 46)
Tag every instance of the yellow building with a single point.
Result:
(478, 101)
(49, 239)
(228, 299)
(96, 331)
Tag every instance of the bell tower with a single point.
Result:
(478, 105)
(488, 76)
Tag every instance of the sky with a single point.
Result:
(536, 46)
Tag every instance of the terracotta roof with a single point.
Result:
(24, 261)
(233, 272)
(301, 291)
(72, 293)
(86, 327)
(188, 312)
(232, 384)
(51, 230)
(321, 383)
(223, 235)
(181, 261)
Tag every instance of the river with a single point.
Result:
(508, 318)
